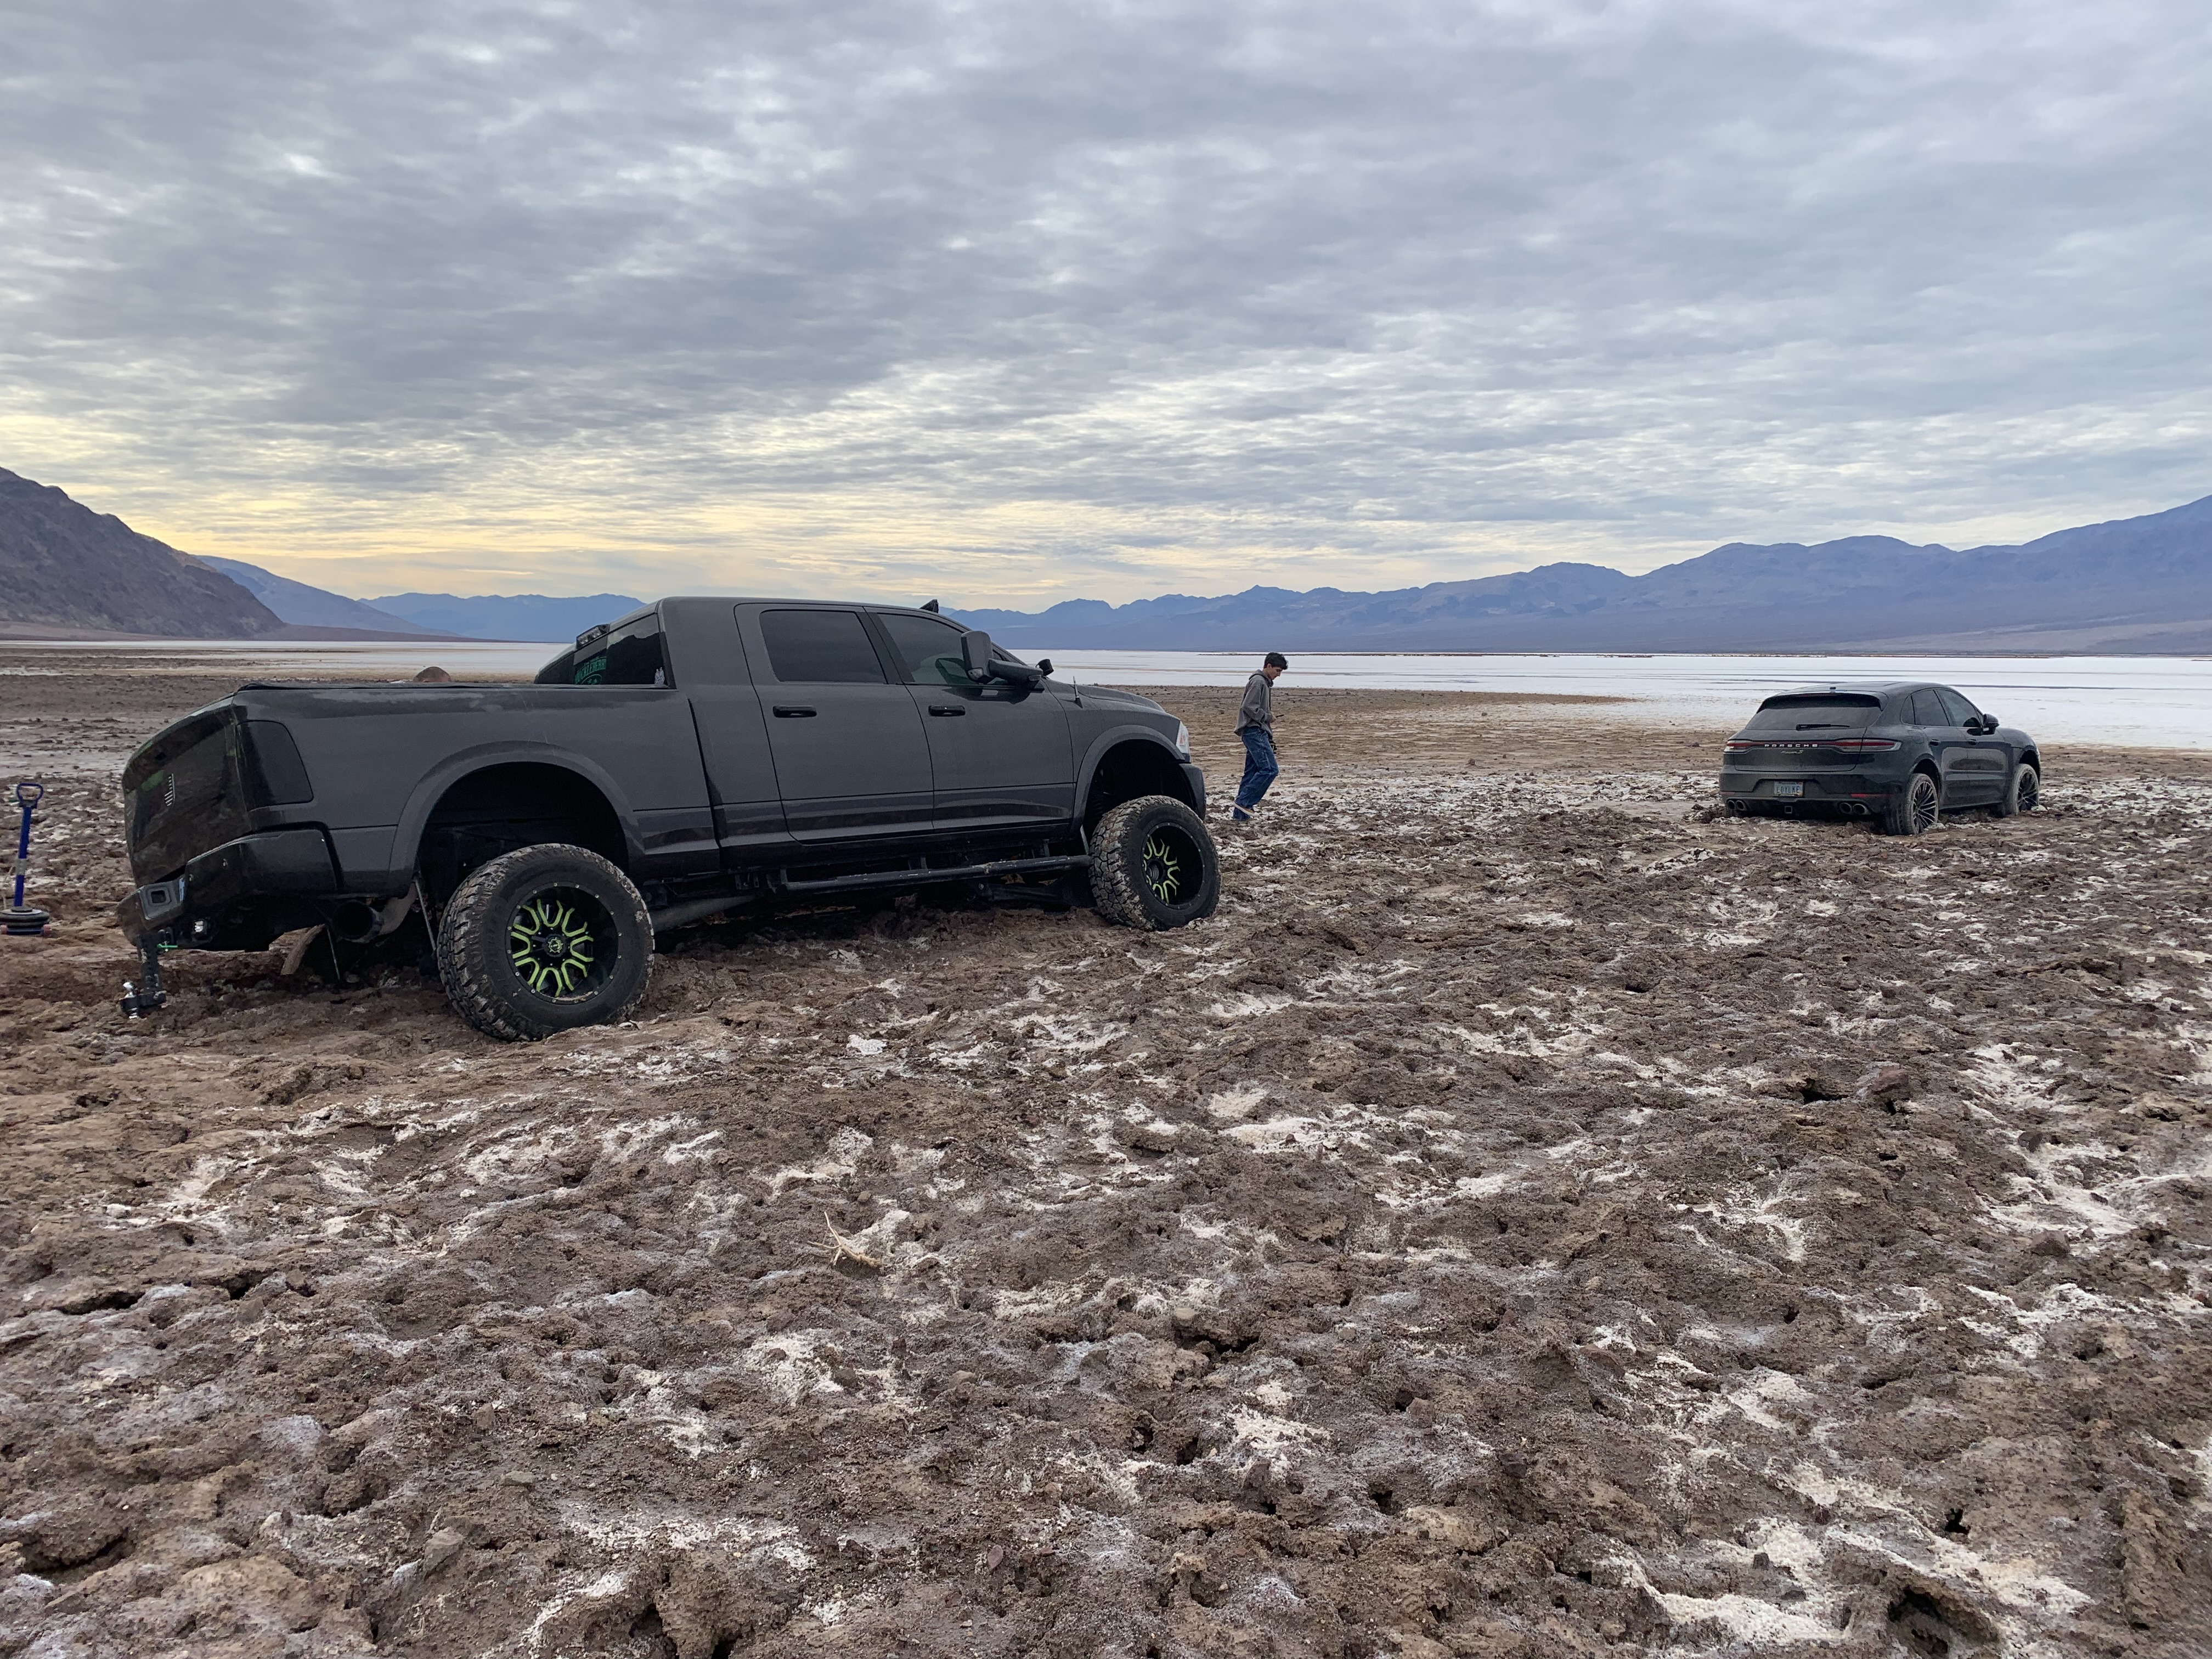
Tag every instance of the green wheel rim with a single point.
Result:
(1172, 867)
(562, 943)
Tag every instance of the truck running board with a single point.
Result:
(924, 875)
(917, 875)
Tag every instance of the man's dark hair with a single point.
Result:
(1276, 660)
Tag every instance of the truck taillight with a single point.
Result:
(274, 776)
(1863, 745)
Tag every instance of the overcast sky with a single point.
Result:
(1015, 302)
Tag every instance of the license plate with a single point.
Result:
(1789, 791)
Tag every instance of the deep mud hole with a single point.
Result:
(1527, 1220)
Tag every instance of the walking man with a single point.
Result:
(1256, 724)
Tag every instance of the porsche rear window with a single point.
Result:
(1846, 712)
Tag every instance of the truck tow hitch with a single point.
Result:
(146, 995)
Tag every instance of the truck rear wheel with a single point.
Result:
(1153, 866)
(544, 939)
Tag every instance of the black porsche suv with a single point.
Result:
(1901, 753)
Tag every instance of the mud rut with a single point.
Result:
(1516, 1226)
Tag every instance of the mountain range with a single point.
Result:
(2132, 586)
(426, 615)
(67, 570)
(2140, 585)
(508, 616)
(301, 606)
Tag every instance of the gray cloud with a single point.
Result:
(1020, 301)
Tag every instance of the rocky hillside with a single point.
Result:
(66, 569)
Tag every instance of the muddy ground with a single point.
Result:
(1528, 1220)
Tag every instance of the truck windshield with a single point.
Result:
(1845, 712)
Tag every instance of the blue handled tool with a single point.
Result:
(19, 921)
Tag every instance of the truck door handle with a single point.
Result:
(785, 711)
(946, 708)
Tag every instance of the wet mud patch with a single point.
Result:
(1519, 1224)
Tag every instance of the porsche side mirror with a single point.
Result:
(1044, 666)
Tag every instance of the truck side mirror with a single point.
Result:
(975, 654)
(1044, 666)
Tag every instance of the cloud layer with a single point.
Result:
(1013, 302)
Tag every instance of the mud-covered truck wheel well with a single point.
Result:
(1129, 771)
(501, 808)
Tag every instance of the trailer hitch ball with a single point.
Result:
(145, 995)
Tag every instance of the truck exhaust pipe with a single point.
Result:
(355, 922)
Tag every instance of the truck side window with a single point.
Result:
(1960, 710)
(629, 656)
(927, 650)
(820, 648)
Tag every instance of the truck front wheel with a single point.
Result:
(544, 939)
(1153, 866)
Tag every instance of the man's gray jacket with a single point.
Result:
(1258, 707)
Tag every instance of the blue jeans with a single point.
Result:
(1260, 767)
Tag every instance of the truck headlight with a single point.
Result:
(1182, 741)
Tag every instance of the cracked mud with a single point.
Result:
(1528, 1220)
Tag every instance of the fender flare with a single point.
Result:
(431, 787)
(1113, 738)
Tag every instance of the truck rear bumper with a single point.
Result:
(279, 863)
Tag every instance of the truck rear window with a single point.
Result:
(629, 656)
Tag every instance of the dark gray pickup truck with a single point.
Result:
(697, 757)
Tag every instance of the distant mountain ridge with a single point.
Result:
(2132, 585)
(508, 616)
(2141, 585)
(525, 617)
(65, 569)
(302, 606)
(67, 572)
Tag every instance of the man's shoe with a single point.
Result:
(1240, 816)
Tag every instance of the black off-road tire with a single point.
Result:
(2022, 794)
(560, 917)
(1153, 866)
(1914, 811)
